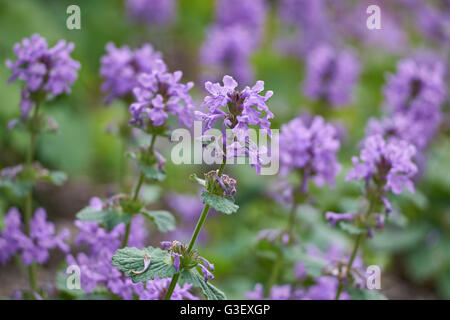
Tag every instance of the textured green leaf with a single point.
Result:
(132, 259)
(193, 277)
(163, 220)
(108, 218)
(351, 229)
(152, 173)
(222, 204)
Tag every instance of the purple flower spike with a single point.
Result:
(333, 218)
(159, 94)
(311, 145)
(331, 75)
(176, 260)
(50, 70)
(208, 275)
(151, 12)
(389, 164)
(120, 68)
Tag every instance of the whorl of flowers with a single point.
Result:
(152, 12)
(33, 248)
(159, 94)
(310, 145)
(386, 163)
(45, 71)
(417, 87)
(120, 68)
(331, 75)
(238, 110)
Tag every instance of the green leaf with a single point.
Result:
(193, 277)
(151, 173)
(163, 220)
(19, 188)
(351, 229)
(150, 194)
(222, 204)
(364, 294)
(194, 177)
(55, 177)
(132, 259)
(108, 218)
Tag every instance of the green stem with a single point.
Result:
(349, 265)
(136, 193)
(197, 229)
(29, 197)
(172, 285)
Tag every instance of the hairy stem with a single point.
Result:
(197, 229)
(136, 192)
(29, 197)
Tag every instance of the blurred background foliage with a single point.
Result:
(414, 250)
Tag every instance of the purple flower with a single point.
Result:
(121, 66)
(36, 246)
(310, 21)
(242, 109)
(331, 75)
(50, 70)
(152, 12)
(227, 50)
(159, 93)
(310, 145)
(95, 265)
(248, 14)
(206, 273)
(333, 218)
(176, 260)
(157, 288)
(389, 164)
(11, 238)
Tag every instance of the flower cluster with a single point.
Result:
(331, 75)
(413, 98)
(239, 110)
(310, 145)
(387, 163)
(45, 71)
(182, 258)
(159, 93)
(152, 12)
(120, 68)
(36, 246)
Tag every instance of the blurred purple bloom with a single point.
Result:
(389, 164)
(152, 12)
(51, 70)
(334, 218)
(33, 248)
(157, 288)
(249, 14)
(159, 93)
(311, 145)
(121, 66)
(227, 50)
(331, 75)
